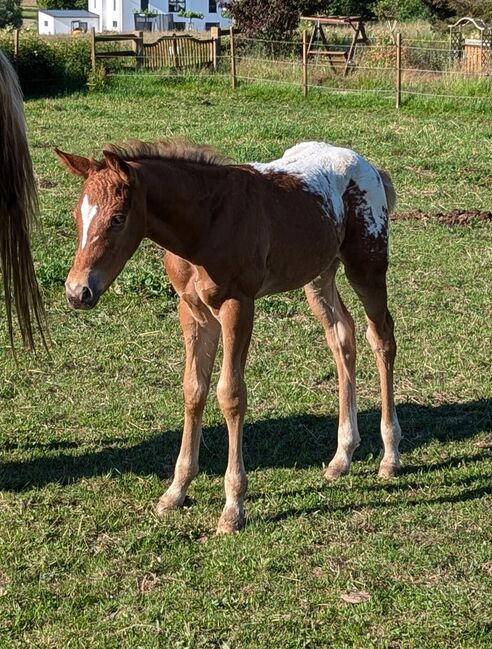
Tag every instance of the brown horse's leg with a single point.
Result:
(236, 318)
(200, 337)
(337, 322)
(373, 294)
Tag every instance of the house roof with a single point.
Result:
(69, 13)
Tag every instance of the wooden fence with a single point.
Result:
(174, 51)
(180, 51)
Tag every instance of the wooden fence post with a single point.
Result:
(16, 47)
(93, 48)
(304, 64)
(398, 70)
(175, 51)
(215, 35)
(138, 48)
(233, 59)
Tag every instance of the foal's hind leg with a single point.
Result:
(337, 322)
(371, 289)
(200, 338)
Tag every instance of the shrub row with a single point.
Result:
(51, 63)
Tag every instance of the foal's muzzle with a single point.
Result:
(81, 296)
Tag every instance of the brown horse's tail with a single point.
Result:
(389, 189)
(18, 210)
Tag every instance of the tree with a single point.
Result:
(278, 19)
(10, 14)
(400, 10)
(62, 4)
(272, 20)
(474, 8)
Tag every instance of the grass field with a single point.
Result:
(88, 439)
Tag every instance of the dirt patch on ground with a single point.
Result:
(455, 217)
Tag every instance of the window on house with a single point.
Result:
(95, 1)
(144, 5)
(115, 24)
(179, 27)
(212, 6)
(46, 23)
(208, 26)
(114, 5)
(176, 5)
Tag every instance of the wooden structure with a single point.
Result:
(474, 54)
(339, 59)
(135, 50)
(179, 51)
(173, 51)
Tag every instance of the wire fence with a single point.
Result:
(413, 67)
(392, 69)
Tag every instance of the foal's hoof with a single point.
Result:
(333, 472)
(388, 470)
(167, 504)
(232, 520)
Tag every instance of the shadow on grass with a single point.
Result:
(295, 441)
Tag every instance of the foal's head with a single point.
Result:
(110, 221)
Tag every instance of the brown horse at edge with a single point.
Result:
(234, 233)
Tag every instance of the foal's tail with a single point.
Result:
(18, 210)
(389, 189)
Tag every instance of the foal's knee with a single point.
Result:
(195, 394)
(231, 395)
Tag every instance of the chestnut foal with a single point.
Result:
(234, 233)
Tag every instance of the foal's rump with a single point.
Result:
(344, 182)
(353, 201)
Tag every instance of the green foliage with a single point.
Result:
(474, 8)
(97, 79)
(401, 10)
(49, 62)
(149, 13)
(62, 4)
(274, 20)
(10, 14)
(345, 8)
(190, 14)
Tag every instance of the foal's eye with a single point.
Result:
(118, 220)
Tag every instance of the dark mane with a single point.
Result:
(172, 149)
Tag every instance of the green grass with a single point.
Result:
(88, 440)
(29, 13)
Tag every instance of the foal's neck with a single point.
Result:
(180, 198)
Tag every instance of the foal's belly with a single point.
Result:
(296, 257)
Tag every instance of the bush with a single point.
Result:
(61, 62)
(476, 8)
(10, 14)
(62, 4)
(401, 9)
(274, 20)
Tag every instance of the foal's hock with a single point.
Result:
(234, 233)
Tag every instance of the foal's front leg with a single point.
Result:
(201, 334)
(236, 318)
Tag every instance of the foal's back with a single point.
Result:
(322, 196)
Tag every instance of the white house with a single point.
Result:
(123, 15)
(66, 21)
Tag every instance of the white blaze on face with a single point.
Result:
(88, 213)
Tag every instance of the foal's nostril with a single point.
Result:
(86, 295)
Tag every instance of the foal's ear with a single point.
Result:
(117, 164)
(75, 164)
